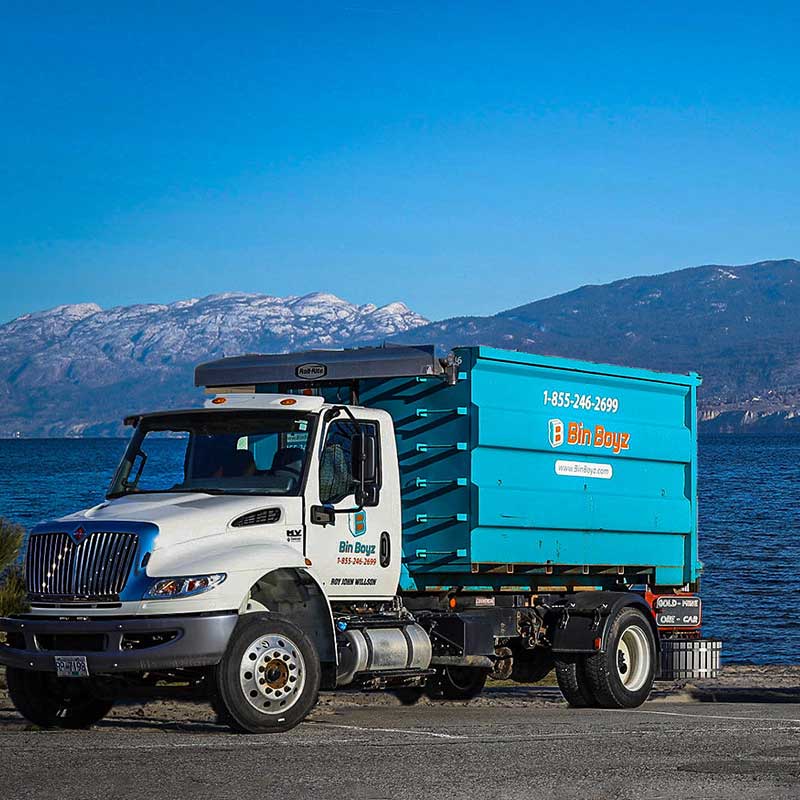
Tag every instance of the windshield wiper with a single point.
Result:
(197, 489)
(233, 490)
(116, 495)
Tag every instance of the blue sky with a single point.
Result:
(462, 157)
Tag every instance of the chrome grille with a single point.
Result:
(96, 568)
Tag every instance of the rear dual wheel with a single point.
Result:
(572, 680)
(621, 675)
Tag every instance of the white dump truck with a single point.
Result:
(376, 518)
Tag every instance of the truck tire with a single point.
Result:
(622, 675)
(221, 715)
(574, 683)
(456, 683)
(52, 702)
(268, 679)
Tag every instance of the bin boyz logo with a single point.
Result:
(555, 432)
(358, 527)
(358, 523)
(579, 436)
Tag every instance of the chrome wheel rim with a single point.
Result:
(272, 674)
(633, 658)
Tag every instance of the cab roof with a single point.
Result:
(240, 402)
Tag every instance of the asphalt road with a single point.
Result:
(524, 745)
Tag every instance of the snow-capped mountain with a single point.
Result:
(78, 369)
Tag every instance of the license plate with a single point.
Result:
(678, 611)
(72, 667)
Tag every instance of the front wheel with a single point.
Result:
(622, 676)
(268, 679)
(52, 702)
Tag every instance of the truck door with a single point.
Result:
(358, 555)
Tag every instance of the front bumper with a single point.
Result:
(129, 644)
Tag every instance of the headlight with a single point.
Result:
(168, 588)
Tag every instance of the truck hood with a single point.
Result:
(185, 517)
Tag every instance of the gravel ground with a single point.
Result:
(735, 737)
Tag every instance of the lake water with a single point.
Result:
(749, 526)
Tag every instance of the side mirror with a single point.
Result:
(136, 469)
(365, 459)
(368, 496)
(365, 469)
(322, 515)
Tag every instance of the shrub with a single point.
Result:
(12, 584)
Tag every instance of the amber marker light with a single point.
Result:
(218, 401)
(289, 401)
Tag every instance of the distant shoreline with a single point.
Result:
(702, 435)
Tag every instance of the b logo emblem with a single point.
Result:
(358, 523)
(555, 432)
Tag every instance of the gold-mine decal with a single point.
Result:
(579, 435)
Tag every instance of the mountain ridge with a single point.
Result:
(77, 369)
(737, 326)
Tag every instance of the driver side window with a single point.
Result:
(336, 480)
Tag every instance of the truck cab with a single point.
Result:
(354, 518)
(317, 482)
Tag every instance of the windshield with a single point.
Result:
(217, 452)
